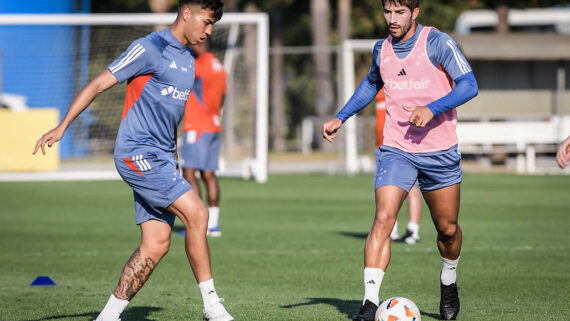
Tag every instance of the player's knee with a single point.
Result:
(201, 216)
(448, 231)
(158, 247)
(384, 220)
(208, 175)
(163, 247)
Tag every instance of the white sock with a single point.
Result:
(208, 291)
(448, 271)
(415, 229)
(372, 281)
(394, 235)
(113, 309)
(214, 215)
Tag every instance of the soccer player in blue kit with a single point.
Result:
(159, 69)
(416, 66)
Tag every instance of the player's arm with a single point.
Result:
(364, 94)
(136, 60)
(99, 84)
(445, 53)
(563, 154)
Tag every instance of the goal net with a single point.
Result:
(47, 59)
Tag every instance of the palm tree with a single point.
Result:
(320, 12)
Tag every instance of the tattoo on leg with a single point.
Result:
(134, 275)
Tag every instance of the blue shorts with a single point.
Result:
(203, 153)
(433, 170)
(156, 184)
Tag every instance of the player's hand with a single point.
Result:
(48, 138)
(421, 115)
(330, 129)
(563, 154)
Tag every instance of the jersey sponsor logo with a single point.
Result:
(176, 93)
(408, 84)
(402, 72)
(173, 65)
(184, 69)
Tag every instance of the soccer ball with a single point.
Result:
(398, 309)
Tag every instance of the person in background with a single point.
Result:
(202, 130)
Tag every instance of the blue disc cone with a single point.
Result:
(43, 281)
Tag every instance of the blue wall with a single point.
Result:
(39, 62)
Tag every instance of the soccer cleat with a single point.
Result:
(408, 238)
(449, 304)
(215, 311)
(367, 312)
(214, 231)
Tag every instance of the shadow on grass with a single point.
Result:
(130, 314)
(346, 307)
(356, 235)
(431, 315)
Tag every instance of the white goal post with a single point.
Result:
(348, 86)
(255, 164)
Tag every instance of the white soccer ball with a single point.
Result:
(398, 309)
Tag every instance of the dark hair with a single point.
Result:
(215, 5)
(412, 4)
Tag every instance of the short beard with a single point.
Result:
(405, 29)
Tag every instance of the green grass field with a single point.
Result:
(292, 249)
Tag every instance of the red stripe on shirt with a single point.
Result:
(134, 90)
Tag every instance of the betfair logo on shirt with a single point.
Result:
(408, 84)
(176, 93)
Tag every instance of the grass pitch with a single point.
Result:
(292, 249)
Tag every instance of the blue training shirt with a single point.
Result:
(160, 75)
(442, 50)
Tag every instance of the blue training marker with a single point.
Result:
(43, 281)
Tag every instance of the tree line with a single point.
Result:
(310, 90)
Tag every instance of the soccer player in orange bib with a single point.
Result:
(202, 130)
(417, 66)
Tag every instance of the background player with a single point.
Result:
(412, 235)
(160, 73)
(415, 65)
(202, 129)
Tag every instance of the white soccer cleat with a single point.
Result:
(215, 311)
